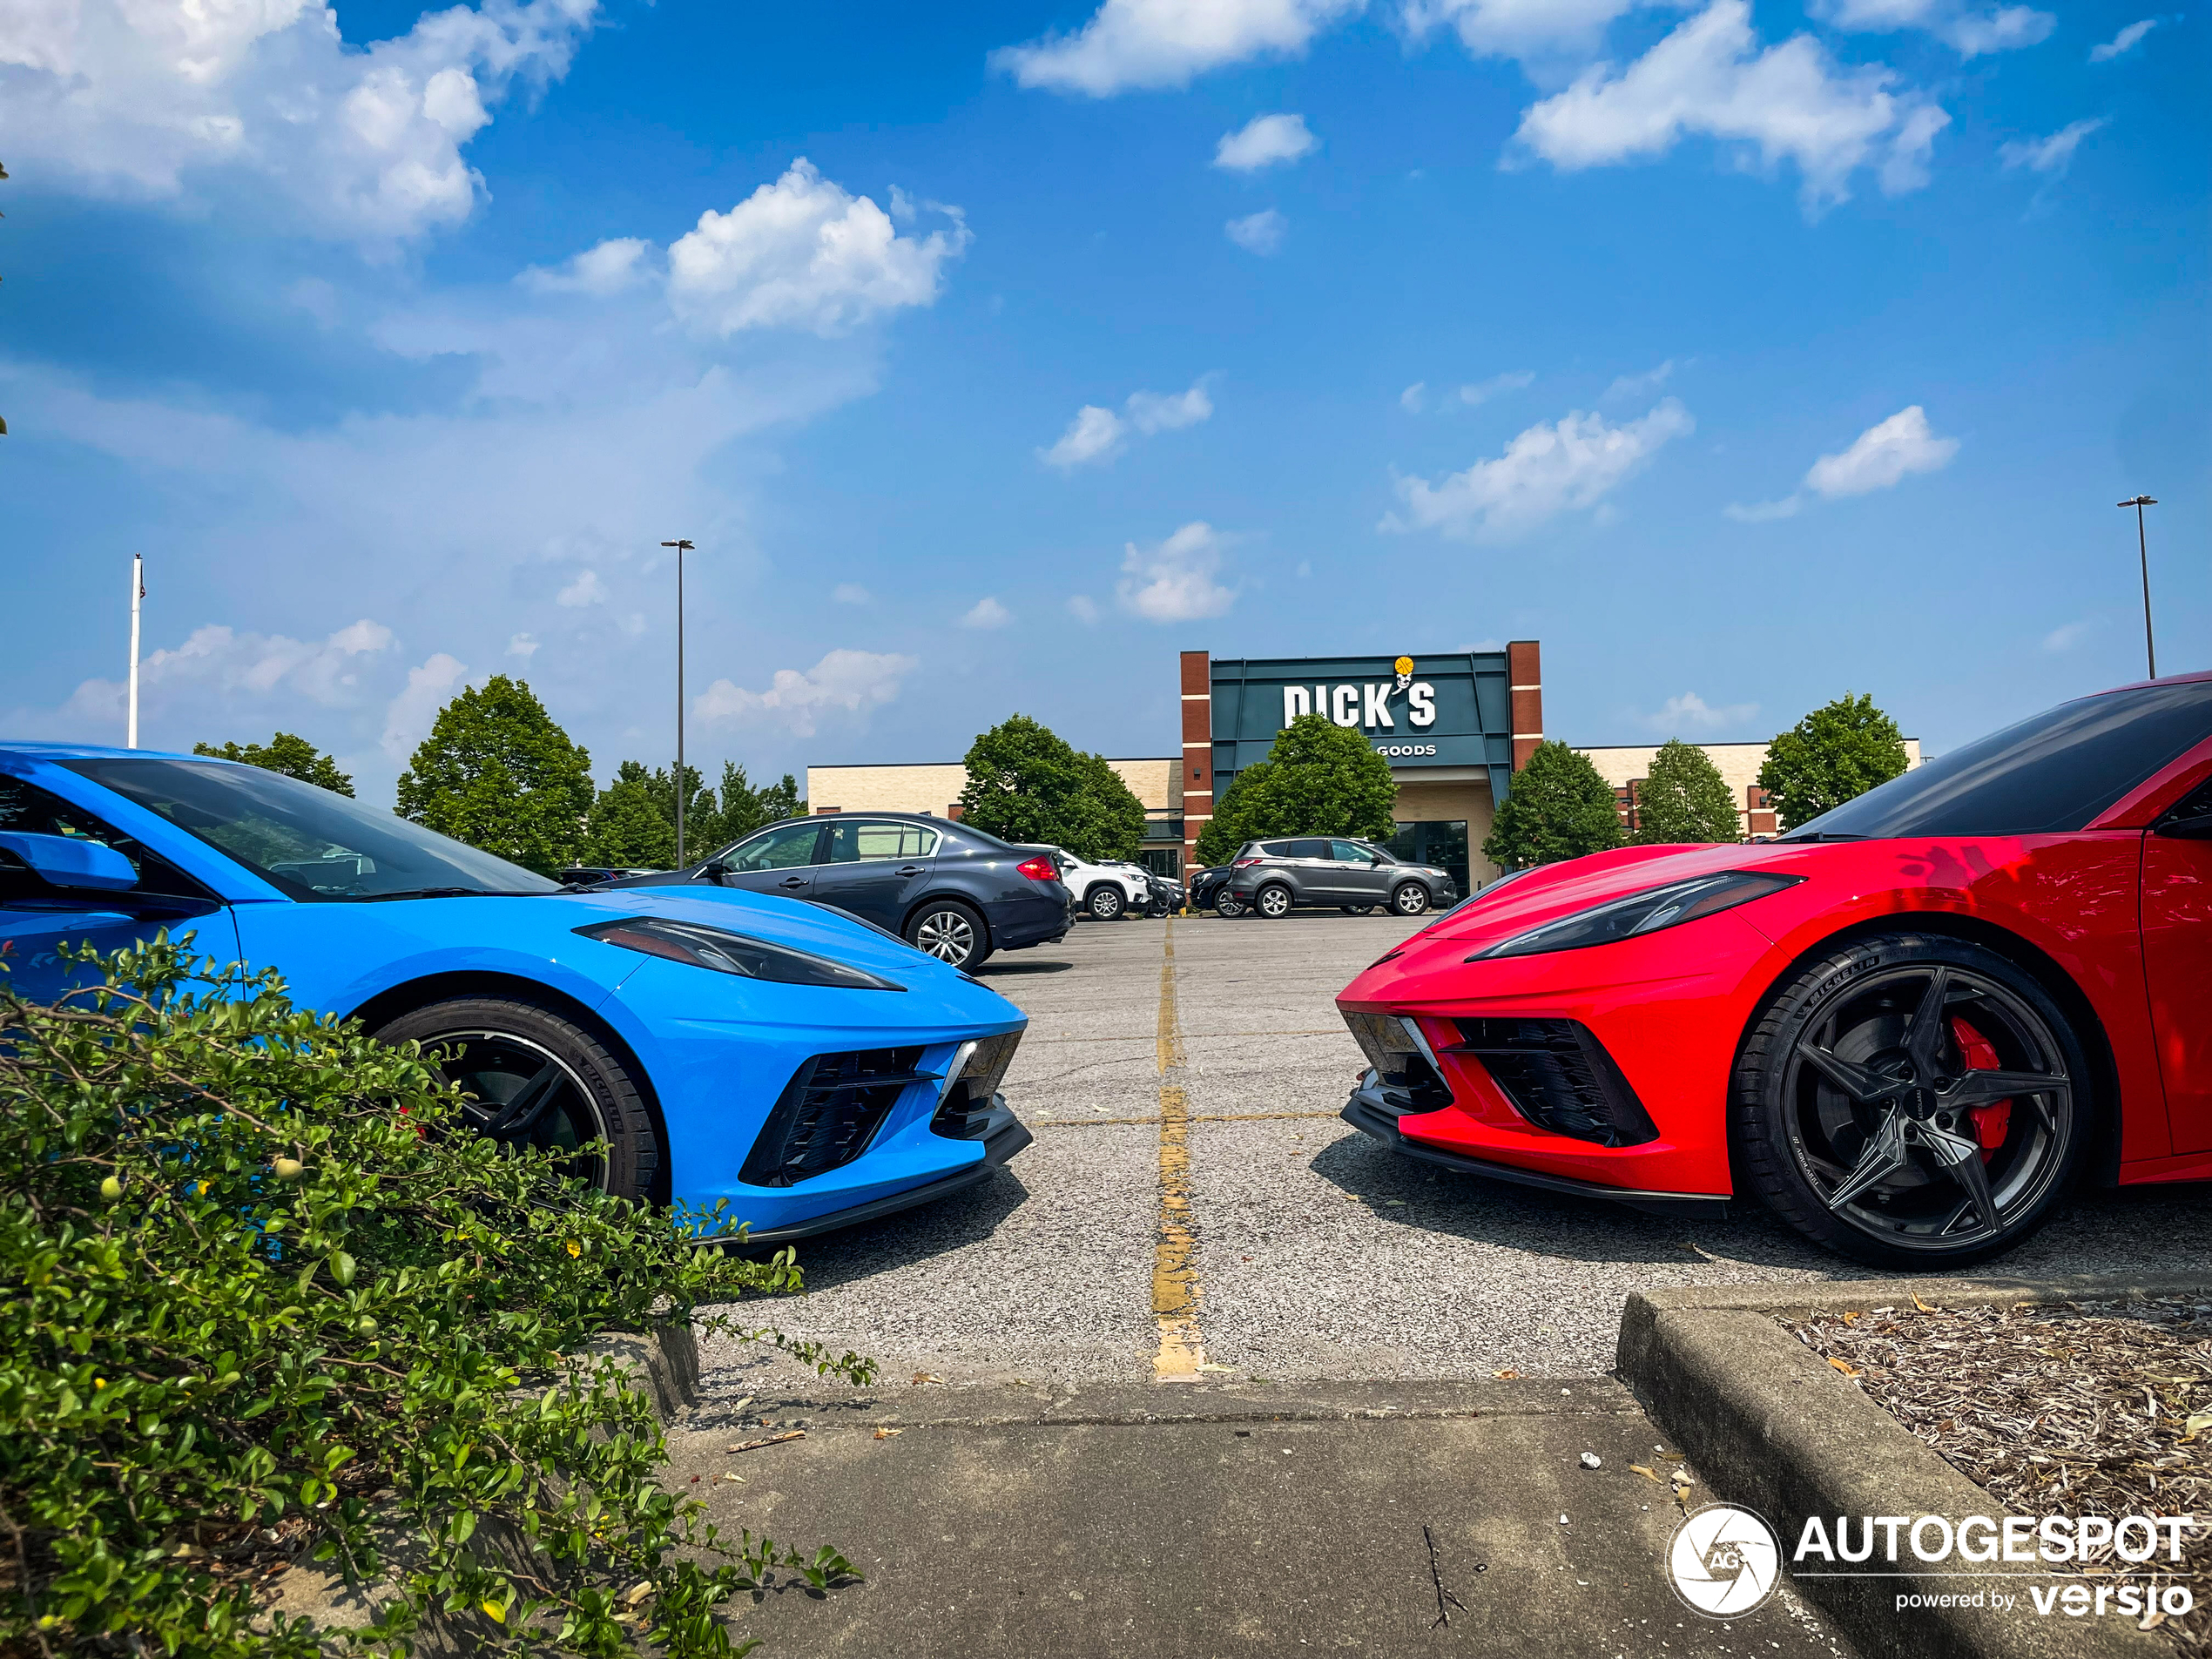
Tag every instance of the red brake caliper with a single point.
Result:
(1990, 1122)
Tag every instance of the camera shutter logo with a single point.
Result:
(1724, 1561)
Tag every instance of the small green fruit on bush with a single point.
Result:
(288, 1169)
(110, 1189)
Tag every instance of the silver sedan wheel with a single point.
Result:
(946, 935)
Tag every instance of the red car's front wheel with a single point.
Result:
(1912, 1100)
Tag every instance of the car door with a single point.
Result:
(2177, 962)
(783, 861)
(38, 923)
(1359, 877)
(1313, 873)
(876, 867)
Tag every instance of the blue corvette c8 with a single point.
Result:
(810, 1068)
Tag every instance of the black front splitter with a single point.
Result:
(1366, 1113)
(1002, 1142)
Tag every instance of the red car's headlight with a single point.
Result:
(1643, 913)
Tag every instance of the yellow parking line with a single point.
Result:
(1175, 1266)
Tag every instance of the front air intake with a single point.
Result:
(965, 1113)
(828, 1113)
(1559, 1076)
(1409, 1083)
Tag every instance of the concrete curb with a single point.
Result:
(1772, 1427)
(664, 1362)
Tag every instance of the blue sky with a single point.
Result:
(991, 355)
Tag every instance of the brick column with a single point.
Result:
(1524, 671)
(1196, 687)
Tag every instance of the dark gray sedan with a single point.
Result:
(1271, 878)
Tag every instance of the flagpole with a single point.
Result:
(138, 593)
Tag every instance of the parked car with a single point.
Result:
(1271, 878)
(1906, 1027)
(722, 1044)
(1106, 891)
(936, 883)
(1166, 895)
(1209, 890)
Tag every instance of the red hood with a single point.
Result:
(1553, 890)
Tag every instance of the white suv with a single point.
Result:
(1103, 891)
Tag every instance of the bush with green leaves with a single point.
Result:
(1028, 785)
(292, 755)
(1840, 750)
(1319, 779)
(268, 1298)
(1684, 798)
(1557, 807)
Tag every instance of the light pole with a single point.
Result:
(137, 592)
(682, 548)
(2142, 549)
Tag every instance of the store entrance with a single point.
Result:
(1442, 843)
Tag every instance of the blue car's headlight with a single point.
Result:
(1643, 913)
(728, 953)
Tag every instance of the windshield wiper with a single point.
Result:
(434, 892)
(1825, 835)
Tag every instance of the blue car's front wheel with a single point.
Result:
(536, 1078)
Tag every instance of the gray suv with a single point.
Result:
(1270, 878)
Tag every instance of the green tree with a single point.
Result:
(628, 828)
(1685, 799)
(739, 811)
(780, 800)
(1836, 751)
(497, 773)
(293, 757)
(1025, 783)
(1558, 808)
(1319, 779)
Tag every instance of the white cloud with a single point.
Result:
(1764, 512)
(143, 99)
(409, 717)
(804, 253)
(1265, 141)
(1483, 391)
(1634, 388)
(1414, 398)
(855, 681)
(1970, 33)
(1098, 434)
(524, 645)
(2066, 637)
(1260, 232)
(220, 673)
(850, 593)
(1176, 581)
(1083, 608)
(1571, 464)
(1690, 712)
(987, 612)
(1163, 42)
(609, 268)
(1527, 29)
(1791, 102)
(2123, 42)
(1883, 455)
(2051, 155)
(586, 589)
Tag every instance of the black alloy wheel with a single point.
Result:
(1912, 1100)
(1273, 901)
(1410, 898)
(1228, 904)
(535, 1078)
(950, 931)
(1104, 902)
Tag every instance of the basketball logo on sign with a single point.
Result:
(1724, 1561)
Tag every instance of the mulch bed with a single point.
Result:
(2076, 1409)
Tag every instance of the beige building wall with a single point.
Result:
(933, 786)
(1424, 798)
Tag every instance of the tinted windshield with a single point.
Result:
(2054, 773)
(304, 841)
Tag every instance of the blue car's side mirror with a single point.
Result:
(64, 861)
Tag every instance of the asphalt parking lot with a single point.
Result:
(1194, 1208)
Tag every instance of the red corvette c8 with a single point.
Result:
(1906, 1026)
